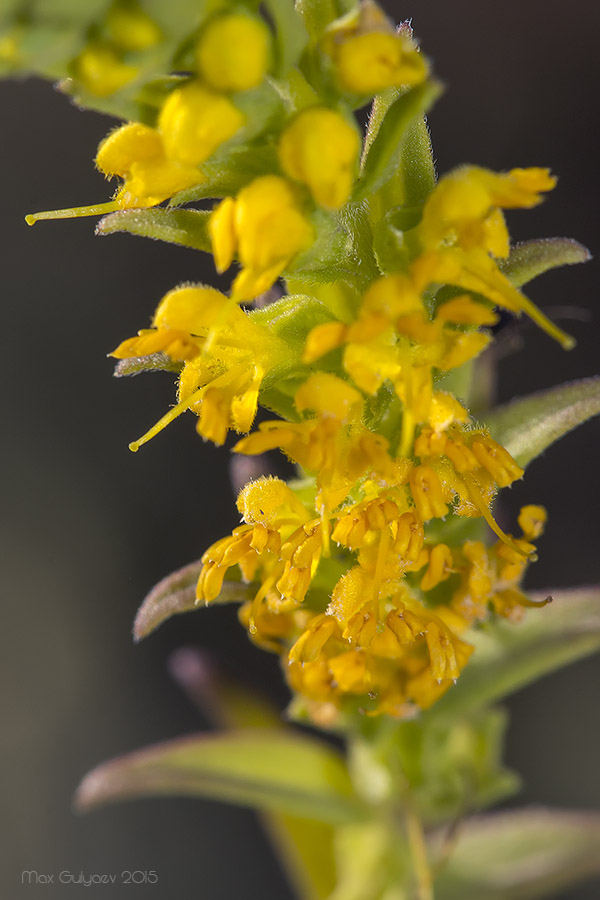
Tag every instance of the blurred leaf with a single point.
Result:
(381, 161)
(177, 594)
(268, 769)
(186, 227)
(304, 847)
(67, 10)
(370, 859)
(526, 854)
(317, 15)
(527, 426)
(291, 35)
(532, 258)
(306, 850)
(509, 656)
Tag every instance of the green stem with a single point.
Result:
(418, 853)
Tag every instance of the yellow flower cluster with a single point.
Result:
(362, 579)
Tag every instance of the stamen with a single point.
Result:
(167, 419)
(481, 505)
(536, 315)
(98, 209)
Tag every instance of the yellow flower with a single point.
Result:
(370, 63)
(220, 382)
(101, 71)
(131, 28)
(320, 148)
(194, 121)
(490, 576)
(265, 227)
(408, 661)
(179, 327)
(233, 52)
(464, 206)
(462, 225)
(136, 153)
(369, 55)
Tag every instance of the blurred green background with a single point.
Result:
(88, 527)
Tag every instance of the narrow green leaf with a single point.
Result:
(317, 15)
(187, 227)
(303, 846)
(306, 849)
(528, 854)
(528, 426)
(532, 258)
(381, 161)
(509, 656)
(269, 769)
(291, 36)
(176, 594)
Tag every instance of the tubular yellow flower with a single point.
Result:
(439, 567)
(179, 327)
(463, 209)
(369, 55)
(532, 520)
(266, 227)
(427, 493)
(462, 225)
(131, 28)
(221, 383)
(136, 153)
(194, 121)
(101, 71)
(370, 63)
(320, 148)
(233, 52)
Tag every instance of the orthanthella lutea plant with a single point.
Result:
(364, 301)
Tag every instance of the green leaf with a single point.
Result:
(304, 847)
(306, 850)
(528, 854)
(291, 36)
(333, 255)
(382, 159)
(292, 317)
(317, 15)
(176, 594)
(187, 227)
(509, 656)
(528, 426)
(532, 258)
(269, 769)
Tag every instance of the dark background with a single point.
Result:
(89, 527)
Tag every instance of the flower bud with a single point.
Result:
(320, 148)
(233, 52)
(195, 121)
